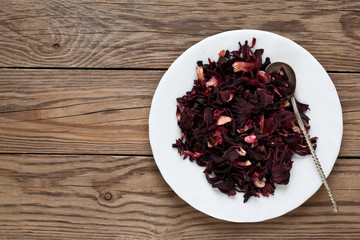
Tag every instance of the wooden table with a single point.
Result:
(77, 79)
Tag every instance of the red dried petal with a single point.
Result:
(295, 128)
(193, 155)
(196, 154)
(250, 139)
(243, 66)
(223, 120)
(178, 113)
(261, 123)
(215, 139)
(218, 112)
(243, 164)
(265, 78)
(277, 92)
(240, 151)
(213, 82)
(259, 183)
(222, 53)
(200, 73)
(227, 95)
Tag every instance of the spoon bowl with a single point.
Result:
(276, 67)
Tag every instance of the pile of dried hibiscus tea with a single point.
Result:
(237, 121)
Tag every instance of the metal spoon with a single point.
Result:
(289, 72)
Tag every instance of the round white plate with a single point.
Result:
(314, 87)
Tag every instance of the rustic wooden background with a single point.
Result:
(76, 83)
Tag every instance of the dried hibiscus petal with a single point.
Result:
(240, 151)
(259, 183)
(227, 95)
(223, 120)
(200, 74)
(266, 78)
(222, 53)
(237, 122)
(243, 66)
(250, 139)
(243, 164)
(213, 82)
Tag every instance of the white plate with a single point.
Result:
(314, 87)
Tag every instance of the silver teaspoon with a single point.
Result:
(289, 72)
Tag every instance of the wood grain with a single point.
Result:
(109, 197)
(106, 112)
(76, 111)
(152, 34)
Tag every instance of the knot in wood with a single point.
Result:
(107, 196)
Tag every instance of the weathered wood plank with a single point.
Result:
(106, 112)
(134, 34)
(57, 197)
(70, 111)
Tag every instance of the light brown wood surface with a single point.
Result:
(53, 196)
(76, 83)
(151, 34)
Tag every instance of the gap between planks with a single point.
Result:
(80, 154)
(122, 69)
(115, 155)
(81, 68)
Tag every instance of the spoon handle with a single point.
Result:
(316, 160)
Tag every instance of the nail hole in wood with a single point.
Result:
(56, 45)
